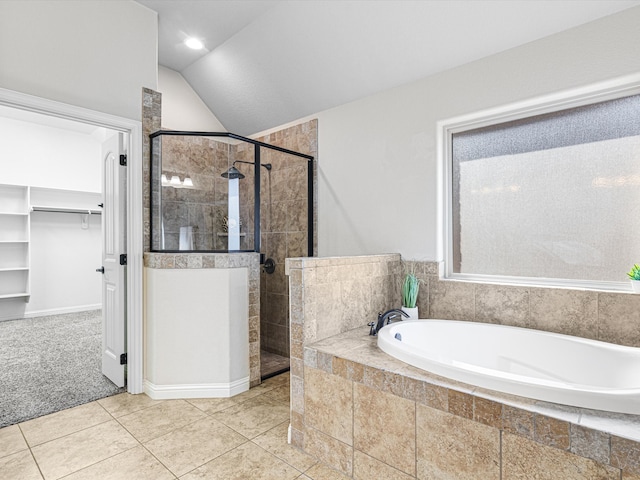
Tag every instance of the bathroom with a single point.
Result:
(377, 155)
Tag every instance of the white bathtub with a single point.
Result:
(530, 363)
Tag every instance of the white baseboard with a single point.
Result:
(52, 311)
(206, 390)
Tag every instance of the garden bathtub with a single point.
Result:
(530, 363)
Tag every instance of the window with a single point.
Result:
(547, 192)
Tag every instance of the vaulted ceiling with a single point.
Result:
(266, 63)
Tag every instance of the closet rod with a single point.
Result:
(66, 210)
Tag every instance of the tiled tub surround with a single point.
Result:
(251, 261)
(490, 434)
(605, 316)
(369, 415)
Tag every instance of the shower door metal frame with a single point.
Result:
(256, 158)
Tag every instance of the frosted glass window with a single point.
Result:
(553, 196)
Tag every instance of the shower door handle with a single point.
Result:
(100, 270)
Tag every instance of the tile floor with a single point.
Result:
(133, 437)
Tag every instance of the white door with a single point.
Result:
(113, 246)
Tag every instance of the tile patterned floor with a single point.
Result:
(127, 437)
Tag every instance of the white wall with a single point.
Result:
(64, 258)
(211, 302)
(378, 170)
(182, 108)
(42, 156)
(93, 54)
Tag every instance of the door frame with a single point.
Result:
(133, 129)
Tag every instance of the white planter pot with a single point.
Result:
(635, 284)
(413, 312)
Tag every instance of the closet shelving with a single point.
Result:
(18, 204)
(14, 241)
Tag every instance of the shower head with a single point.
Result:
(232, 173)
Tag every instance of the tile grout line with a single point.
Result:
(68, 434)
(96, 463)
(273, 455)
(162, 435)
(30, 451)
(81, 430)
(200, 466)
(162, 463)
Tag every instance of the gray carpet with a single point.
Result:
(50, 363)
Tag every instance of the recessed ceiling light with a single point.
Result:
(194, 43)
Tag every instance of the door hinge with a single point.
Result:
(123, 259)
(123, 359)
(123, 160)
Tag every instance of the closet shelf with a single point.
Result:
(14, 241)
(17, 214)
(14, 269)
(35, 208)
(15, 295)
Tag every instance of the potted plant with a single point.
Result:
(634, 275)
(410, 288)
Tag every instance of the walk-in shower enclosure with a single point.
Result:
(221, 192)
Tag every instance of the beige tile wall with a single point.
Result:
(151, 118)
(610, 317)
(329, 296)
(284, 225)
(397, 425)
(203, 159)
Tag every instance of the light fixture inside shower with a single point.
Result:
(175, 182)
(233, 172)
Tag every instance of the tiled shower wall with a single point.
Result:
(203, 159)
(151, 118)
(204, 206)
(283, 221)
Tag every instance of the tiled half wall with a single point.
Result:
(363, 416)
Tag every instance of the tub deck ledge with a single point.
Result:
(355, 355)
